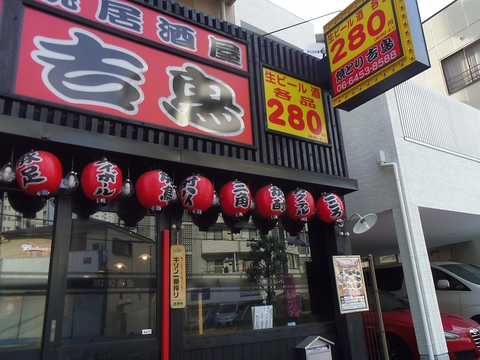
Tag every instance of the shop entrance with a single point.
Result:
(59, 293)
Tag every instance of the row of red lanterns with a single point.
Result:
(40, 173)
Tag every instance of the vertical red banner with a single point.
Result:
(290, 296)
(165, 313)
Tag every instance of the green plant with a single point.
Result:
(268, 260)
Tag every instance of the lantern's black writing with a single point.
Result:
(167, 188)
(333, 205)
(106, 174)
(29, 170)
(31, 175)
(85, 70)
(121, 15)
(278, 198)
(202, 101)
(302, 207)
(188, 190)
(241, 195)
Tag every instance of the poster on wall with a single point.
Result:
(70, 63)
(178, 277)
(294, 107)
(352, 294)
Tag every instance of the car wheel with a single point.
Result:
(397, 348)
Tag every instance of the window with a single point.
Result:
(111, 287)
(122, 248)
(462, 68)
(25, 247)
(221, 295)
(455, 285)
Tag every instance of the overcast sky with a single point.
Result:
(309, 9)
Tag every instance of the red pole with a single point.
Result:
(165, 313)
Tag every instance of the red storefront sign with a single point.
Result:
(72, 64)
(159, 28)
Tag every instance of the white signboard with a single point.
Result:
(262, 317)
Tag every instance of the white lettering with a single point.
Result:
(30, 247)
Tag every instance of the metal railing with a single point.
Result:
(460, 81)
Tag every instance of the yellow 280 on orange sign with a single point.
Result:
(294, 107)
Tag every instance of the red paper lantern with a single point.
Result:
(39, 173)
(330, 208)
(270, 202)
(235, 199)
(196, 194)
(154, 190)
(300, 205)
(101, 181)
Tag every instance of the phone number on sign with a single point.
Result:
(366, 71)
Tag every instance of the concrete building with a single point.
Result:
(452, 38)
(414, 151)
(191, 97)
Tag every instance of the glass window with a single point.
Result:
(24, 262)
(454, 283)
(234, 273)
(111, 283)
(462, 68)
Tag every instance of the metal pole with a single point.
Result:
(411, 255)
(383, 338)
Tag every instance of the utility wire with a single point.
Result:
(300, 23)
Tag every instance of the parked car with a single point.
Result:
(208, 317)
(461, 334)
(457, 286)
(228, 312)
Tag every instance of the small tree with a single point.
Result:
(268, 259)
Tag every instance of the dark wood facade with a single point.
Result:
(289, 162)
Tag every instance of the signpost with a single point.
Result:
(372, 46)
(178, 289)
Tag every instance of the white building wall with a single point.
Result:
(263, 17)
(434, 140)
(445, 156)
(447, 32)
(437, 163)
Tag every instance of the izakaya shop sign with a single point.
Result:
(294, 107)
(72, 64)
(372, 46)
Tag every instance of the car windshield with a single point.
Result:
(468, 272)
(227, 308)
(388, 301)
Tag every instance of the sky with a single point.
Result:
(309, 9)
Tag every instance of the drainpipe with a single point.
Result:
(382, 161)
(223, 12)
